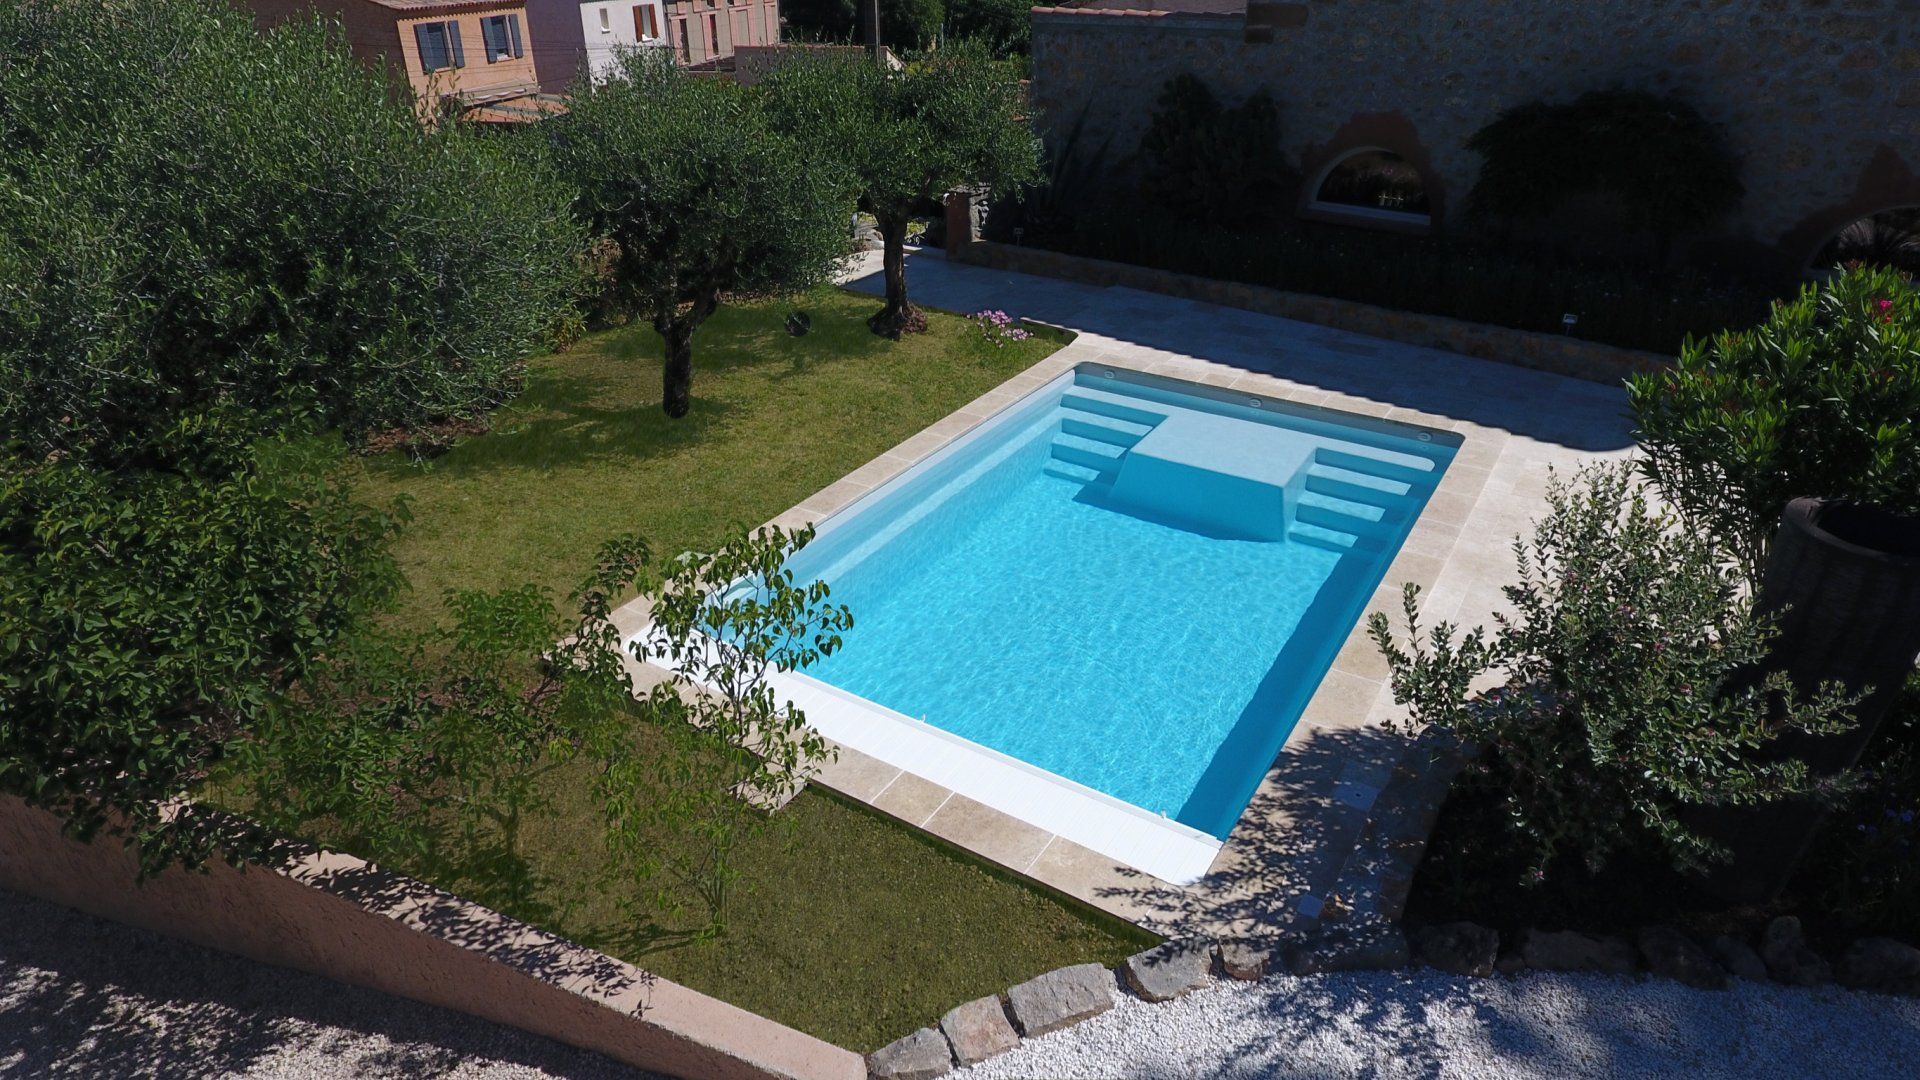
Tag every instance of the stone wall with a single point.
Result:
(334, 915)
(1820, 98)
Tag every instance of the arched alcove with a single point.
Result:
(1372, 185)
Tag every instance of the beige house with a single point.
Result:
(705, 33)
(474, 57)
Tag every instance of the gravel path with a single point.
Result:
(1406, 1024)
(83, 997)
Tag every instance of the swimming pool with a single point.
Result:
(1104, 609)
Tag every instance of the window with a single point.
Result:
(439, 44)
(502, 36)
(646, 23)
(713, 35)
(606, 21)
(1375, 184)
(680, 43)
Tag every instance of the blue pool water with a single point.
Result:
(1125, 584)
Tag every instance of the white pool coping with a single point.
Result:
(1158, 845)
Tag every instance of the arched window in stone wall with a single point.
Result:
(1372, 184)
(1888, 238)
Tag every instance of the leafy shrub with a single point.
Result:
(1003, 26)
(430, 751)
(1204, 162)
(1616, 305)
(1818, 400)
(150, 619)
(1665, 166)
(1865, 866)
(193, 212)
(904, 24)
(1623, 695)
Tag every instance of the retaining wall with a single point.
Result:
(335, 915)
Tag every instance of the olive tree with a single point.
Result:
(950, 120)
(274, 229)
(194, 285)
(698, 196)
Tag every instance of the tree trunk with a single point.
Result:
(676, 393)
(898, 317)
(676, 329)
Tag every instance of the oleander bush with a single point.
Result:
(1820, 399)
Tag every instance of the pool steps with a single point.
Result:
(1349, 501)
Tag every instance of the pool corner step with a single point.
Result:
(1079, 474)
(1331, 539)
(1093, 453)
(1345, 515)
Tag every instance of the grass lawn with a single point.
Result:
(585, 453)
(851, 926)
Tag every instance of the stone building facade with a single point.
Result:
(1819, 98)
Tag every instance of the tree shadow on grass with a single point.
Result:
(86, 997)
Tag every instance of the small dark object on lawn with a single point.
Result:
(799, 323)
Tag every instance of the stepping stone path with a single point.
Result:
(1170, 969)
(1059, 998)
(978, 1030)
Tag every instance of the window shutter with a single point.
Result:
(513, 32)
(453, 35)
(492, 41)
(432, 48)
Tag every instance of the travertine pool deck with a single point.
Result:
(1280, 863)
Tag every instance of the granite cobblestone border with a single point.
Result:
(1362, 929)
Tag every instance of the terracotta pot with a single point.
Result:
(1843, 583)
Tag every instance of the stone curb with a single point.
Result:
(1870, 964)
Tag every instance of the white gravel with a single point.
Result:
(84, 997)
(1424, 1024)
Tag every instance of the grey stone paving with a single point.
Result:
(86, 998)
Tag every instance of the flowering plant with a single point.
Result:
(998, 327)
(1621, 691)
